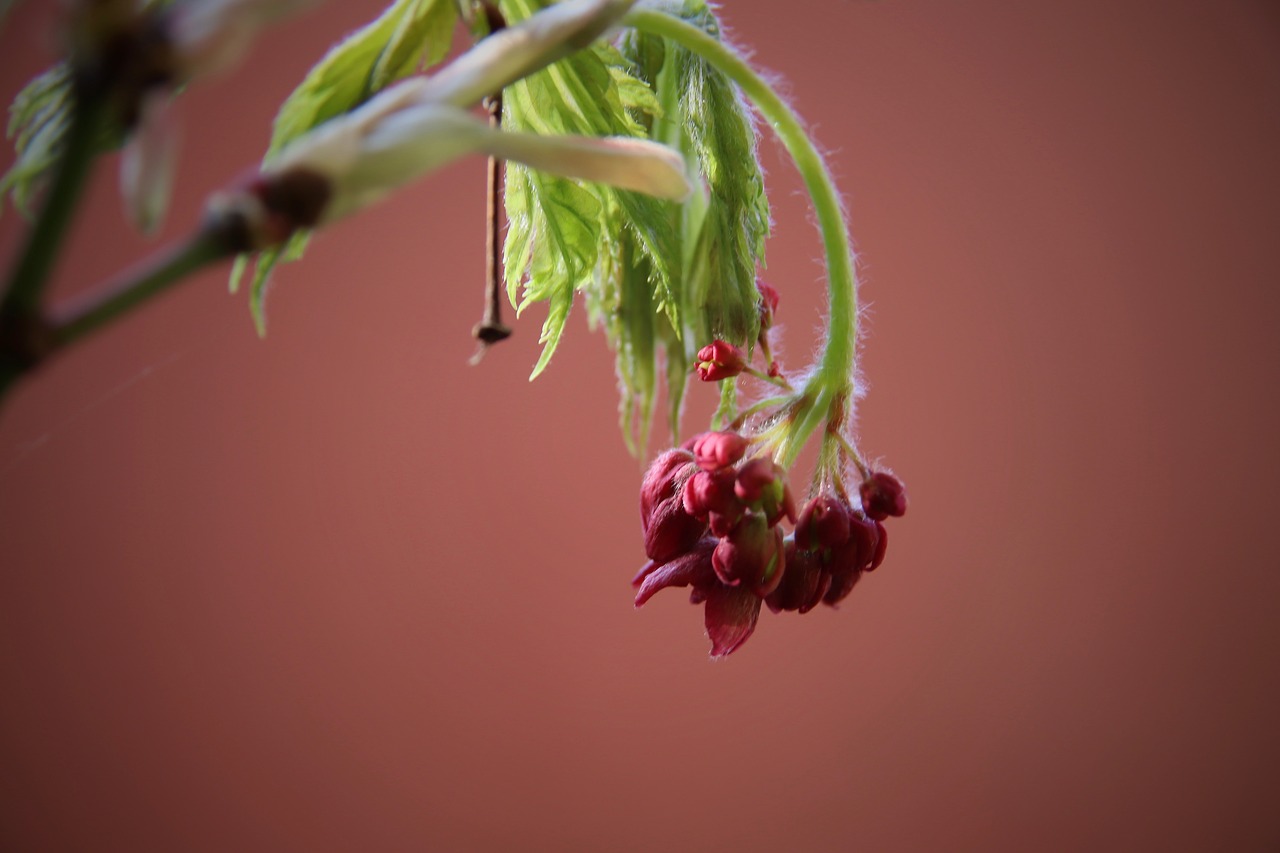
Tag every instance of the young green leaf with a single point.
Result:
(689, 271)
(408, 36)
(720, 135)
(560, 232)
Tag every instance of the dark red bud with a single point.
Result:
(823, 523)
(849, 560)
(720, 360)
(716, 450)
(801, 583)
(668, 530)
(665, 475)
(723, 523)
(671, 531)
(776, 569)
(842, 583)
(882, 496)
(819, 594)
(859, 551)
(752, 554)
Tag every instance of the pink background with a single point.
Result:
(336, 590)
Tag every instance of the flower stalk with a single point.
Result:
(830, 385)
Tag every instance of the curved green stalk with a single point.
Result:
(831, 383)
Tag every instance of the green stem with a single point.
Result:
(833, 375)
(780, 381)
(135, 286)
(757, 408)
(27, 280)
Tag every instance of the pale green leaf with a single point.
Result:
(409, 36)
(406, 37)
(553, 329)
(591, 93)
(662, 279)
(720, 135)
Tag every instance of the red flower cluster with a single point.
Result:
(832, 546)
(711, 522)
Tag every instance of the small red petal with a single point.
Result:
(882, 545)
(731, 615)
(693, 568)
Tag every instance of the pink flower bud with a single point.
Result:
(762, 483)
(882, 496)
(720, 360)
(717, 450)
(755, 478)
(710, 492)
(823, 523)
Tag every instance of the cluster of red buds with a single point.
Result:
(711, 520)
(834, 543)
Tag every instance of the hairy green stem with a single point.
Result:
(26, 282)
(832, 379)
(110, 300)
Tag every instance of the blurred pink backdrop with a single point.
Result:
(337, 590)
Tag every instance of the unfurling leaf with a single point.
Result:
(720, 136)
(560, 231)
(662, 279)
